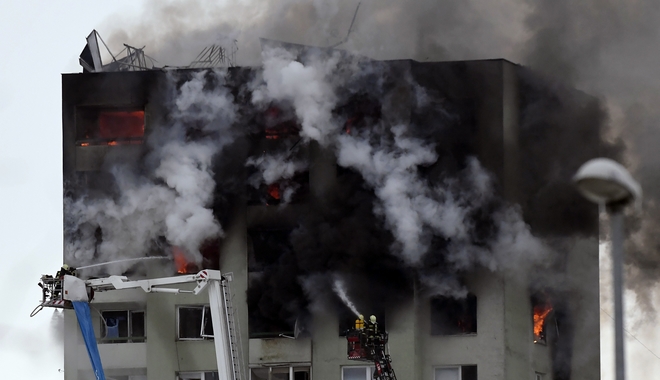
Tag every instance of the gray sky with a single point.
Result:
(40, 40)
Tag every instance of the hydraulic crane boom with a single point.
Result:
(57, 293)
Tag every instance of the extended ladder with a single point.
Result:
(233, 330)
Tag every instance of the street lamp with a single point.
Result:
(607, 183)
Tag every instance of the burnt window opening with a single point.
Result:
(286, 191)
(541, 311)
(451, 316)
(210, 251)
(272, 284)
(194, 323)
(360, 111)
(278, 122)
(109, 126)
(122, 326)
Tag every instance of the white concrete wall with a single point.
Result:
(485, 348)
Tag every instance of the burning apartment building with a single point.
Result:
(435, 196)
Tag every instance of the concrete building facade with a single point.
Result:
(148, 336)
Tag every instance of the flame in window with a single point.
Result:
(541, 312)
(121, 124)
(183, 266)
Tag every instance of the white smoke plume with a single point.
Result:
(172, 201)
(388, 159)
(307, 86)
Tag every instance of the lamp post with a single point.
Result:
(607, 183)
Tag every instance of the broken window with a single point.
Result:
(194, 323)
(197, 376)
(281, 372)
(122, 326)
(541, 310)
(271, 286)
(466, 372)
(109, 126)
(451, 316)
(357, 372)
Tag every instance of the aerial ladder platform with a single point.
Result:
(369, 344)
(69, 292)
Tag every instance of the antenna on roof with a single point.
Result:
(350, 28)
(90, 57)
(215, 56)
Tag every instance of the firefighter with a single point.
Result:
(65, 270)
(59, 278)
(372, 328)
(359, 323)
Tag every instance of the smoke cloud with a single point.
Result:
(171, 198)
(432, 226)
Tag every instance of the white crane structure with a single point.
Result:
(60, 292)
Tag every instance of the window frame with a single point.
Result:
(205, 315)
(457, 367)
(190, 375)
(369, 373)
(300, 367)
(129, 329)
(460, 368)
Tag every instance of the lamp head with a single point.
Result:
(602, 180)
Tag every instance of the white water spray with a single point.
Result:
(338, 287)
(123, 261)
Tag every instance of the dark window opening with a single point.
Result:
(272, 287)
(292, 190)
(183, 263)
(541, 311)
(451, 316)
(361, 111)
(194, 322)
(122, 326)
(278, 123)
(105, 126)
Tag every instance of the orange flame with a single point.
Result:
(274, 190)
(540, 314)
(182, 265)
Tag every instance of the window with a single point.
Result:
(194, 323)
(279, 373)
(269, 313)
(357, 373)
(538, 376)
(197, 376)
(466, 372)
(450, 316)
(109, 126)
(122, 326)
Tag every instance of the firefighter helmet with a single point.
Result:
(372, 319)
